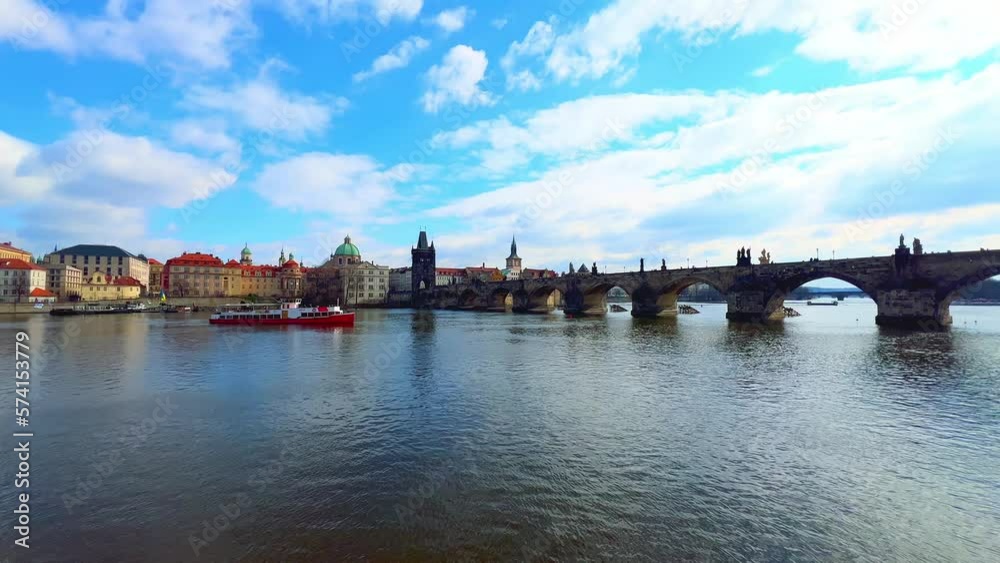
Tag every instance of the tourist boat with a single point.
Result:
(289, 314)
(98, 310)
(830, 303)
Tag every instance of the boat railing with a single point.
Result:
(237, 307)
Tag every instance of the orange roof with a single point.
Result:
(194, 259)
(7, 246)
(39, 292)
(18, 264)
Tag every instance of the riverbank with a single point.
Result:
(29, 308)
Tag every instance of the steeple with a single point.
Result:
(246, 257)
(281, 259)
(422, 241)
(513, 248)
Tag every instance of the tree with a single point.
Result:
(20, 288)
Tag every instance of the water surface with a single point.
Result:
(451, 435)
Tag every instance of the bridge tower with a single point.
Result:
(424, 266)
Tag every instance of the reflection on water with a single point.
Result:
(441, 435)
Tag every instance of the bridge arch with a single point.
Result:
(542, 299)
(468, 299)
(776, 300)
(660, 299)
(501, 299)
(590, 296)
(967, 284)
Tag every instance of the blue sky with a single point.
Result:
(594, 131)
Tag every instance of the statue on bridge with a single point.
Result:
(743, 257)
(663, 265)
(918, 248)
(642, 265)
(593, 269)
(765, 257)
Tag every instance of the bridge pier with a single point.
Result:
(752, 306)
(647, 303)
(912, 309)
(577, 303)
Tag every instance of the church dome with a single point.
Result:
(246, 251)
(347, 249)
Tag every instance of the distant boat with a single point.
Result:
(823, 303)
(98, 310)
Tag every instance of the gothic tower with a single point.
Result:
(514, 261)
(424, 266)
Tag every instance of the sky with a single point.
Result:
(603, 131)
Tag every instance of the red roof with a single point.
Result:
(154, 262)
(450, 272)
(290, 264)
(126, 280)
(39, 292)
(195, 259)
(18, 264)
(528, 272)
(232, 264)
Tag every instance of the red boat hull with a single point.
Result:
(345, 319)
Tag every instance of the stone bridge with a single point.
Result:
(911, 290)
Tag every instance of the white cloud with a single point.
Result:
(16, 185)
(870, 35)
(397, 57)
(536, 43)
(261, 104)
(31, 25)
(201, 33)
(67, 221)
(105, 166)
(457, 80)
(325, 11)
(802, 160)
(499, 23)
(763, 71)
(205, 134)
(344, 185)
(453, 20)
(97, 186)
(581, 126)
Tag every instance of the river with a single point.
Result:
(483, 436)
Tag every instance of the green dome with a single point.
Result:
(347, 249)
(246, 249)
